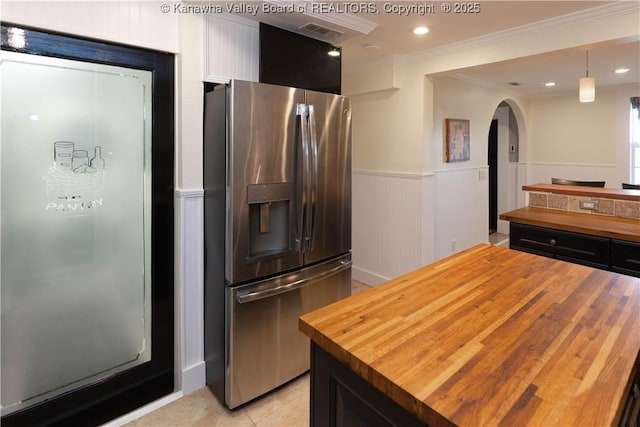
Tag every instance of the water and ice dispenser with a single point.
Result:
(270, 228)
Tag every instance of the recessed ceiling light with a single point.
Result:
(621, 70)
(16, 38)
(420, 31)
(550, 84)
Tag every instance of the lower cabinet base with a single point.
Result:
(341, 398)
(598, 252)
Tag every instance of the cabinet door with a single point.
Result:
(535, 240)
(625, 257)
(578, 248)
(582, 249)
(341, 398)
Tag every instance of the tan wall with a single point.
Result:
(563, 130)
(461, 100)
(388, 126)
(398, 114)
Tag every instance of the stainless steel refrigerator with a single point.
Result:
(277, 180)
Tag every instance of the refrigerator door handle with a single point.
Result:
(313, 138)
(302, 111)
(266, 293)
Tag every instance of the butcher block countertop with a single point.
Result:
(597, 225)
(575, 190)
(492, 336)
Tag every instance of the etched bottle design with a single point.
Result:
(97, 162)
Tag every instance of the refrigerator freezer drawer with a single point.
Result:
(265, 348)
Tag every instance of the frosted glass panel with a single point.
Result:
(75, 225)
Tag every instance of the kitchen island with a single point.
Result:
(597, 227)
(488, 336)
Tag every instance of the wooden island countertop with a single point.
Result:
(596, 225)
(492, 336)
(574, 190)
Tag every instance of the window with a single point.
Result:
(634, 121)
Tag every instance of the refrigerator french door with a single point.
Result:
(277, 174)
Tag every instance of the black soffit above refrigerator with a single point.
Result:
(277, 179)
(290, 59)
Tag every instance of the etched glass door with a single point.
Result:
(75, 253)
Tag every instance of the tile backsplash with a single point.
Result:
(601, 206)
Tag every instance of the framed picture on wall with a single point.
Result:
(456, 140)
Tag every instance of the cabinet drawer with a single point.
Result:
(625, 257)
(573, 247)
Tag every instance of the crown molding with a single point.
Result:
(605, 11)
(344, 20)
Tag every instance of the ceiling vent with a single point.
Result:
(319, 30)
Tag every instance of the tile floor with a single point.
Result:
(288, 406)
(499, 239)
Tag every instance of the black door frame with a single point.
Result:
(492, 155)
(123, 392)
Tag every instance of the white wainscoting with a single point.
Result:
(189, 296)
(461, 209)
(508, 193)
(388, 224)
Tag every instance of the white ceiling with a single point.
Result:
(382, 30)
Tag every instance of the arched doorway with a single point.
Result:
(503, 149)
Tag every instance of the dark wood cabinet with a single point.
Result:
(625, 257)
(573, 247)
(341, 398)
(594, 251)
(631, 410)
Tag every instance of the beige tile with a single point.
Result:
(357, 287)
(574, 203)
(558, 201)
(198, 409)
(605, 206)
(626, 209)
(499, 239)
(538, 199)
(288, 407)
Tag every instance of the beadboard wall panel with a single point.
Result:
(387, 225)
(135, 23)
(508, 198)
(231, 49)
(190, 290)
(428, 219)
(461, 209)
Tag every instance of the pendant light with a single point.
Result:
(587, 86)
